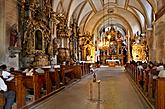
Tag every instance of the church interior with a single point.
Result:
(83, 54)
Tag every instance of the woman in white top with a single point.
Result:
(6, 75)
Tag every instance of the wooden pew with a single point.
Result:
(83, 68)
(39, 80)
(152, 85)
(87, 67)
(160, 100)
(36, 82)
(52, 78)
(17, 85)
(65, 69)
(48, 82)
(32, 82)
(2, 101)
(146, 82)
(55, 78)
(75, 72)
(152, 89)
(22, 82)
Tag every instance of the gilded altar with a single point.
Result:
(112, 46)
(37, 20)
(138, 52)
(139, 48)
(87, 47)
(41, 60)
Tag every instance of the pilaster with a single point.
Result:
(2, 32)
(150, 43)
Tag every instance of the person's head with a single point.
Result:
(12, 69)
(3, 67)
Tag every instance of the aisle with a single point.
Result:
(116, 93)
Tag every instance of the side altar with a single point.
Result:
(37, 37)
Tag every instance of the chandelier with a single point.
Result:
(107, 34)
(104, 45)
(107, 39)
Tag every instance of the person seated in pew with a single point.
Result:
(28, 72)
(9, 95)
(6, 75)
(67, 62)
(144, 65)
(72, 62)
(139, 66)
(12, 70)
(162, 73)
(160, 67)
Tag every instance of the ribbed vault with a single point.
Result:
(136, 15)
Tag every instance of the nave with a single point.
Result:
(116, 92)
(70, 36)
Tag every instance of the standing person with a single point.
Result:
(9, 95)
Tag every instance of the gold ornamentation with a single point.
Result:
(138, 52)
(37, 16)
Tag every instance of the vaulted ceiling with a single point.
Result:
(92, 15)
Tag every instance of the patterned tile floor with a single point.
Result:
(116, 92)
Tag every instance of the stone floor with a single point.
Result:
(116, 92)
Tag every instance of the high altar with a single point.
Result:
(112, 50)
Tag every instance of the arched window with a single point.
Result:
(38, 40)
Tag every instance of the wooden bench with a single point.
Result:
(160, 100)
(32, 82)
(153, 89)
(41, 81)
(75, 72)
(21, 83)
(17, 85)
(55, 79)
(2, 101)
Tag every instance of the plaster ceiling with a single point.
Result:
(133, 15)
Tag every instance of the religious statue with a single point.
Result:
(147, 52)
(55, 46)
(88, 51)
(50, 49)
(13, 35)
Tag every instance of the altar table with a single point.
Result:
(112, 63)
